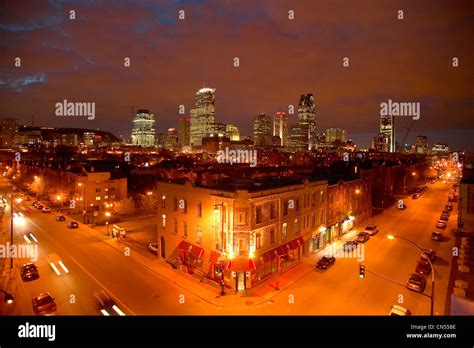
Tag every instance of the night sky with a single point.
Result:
(83, 60)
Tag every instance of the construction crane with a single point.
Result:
(408, 131)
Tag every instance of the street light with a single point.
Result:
(404, 180)
(8, 298)
(83, 200)
(391, 237)
(107, 215)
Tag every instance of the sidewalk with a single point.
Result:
(262, 292)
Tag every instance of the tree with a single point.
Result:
(37, 186)
(147, 202)
(125, 206)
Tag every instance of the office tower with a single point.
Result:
(298, 138)
(262, 125)
(336, 134)
(143, 128)
(183, 132)
(280, 127)
(307, 116)
(202, 116)
(387, 127)
(381, 143)
(421, 145)
(232, 132)
(8, 131)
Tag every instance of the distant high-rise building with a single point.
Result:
(440, 148)
(88, 138)
(232, 132)
(219, 129)
(8, 131)
(280, 127)
(143, 128)
(298, 138)
(380, 143)
(336, 134)
(421, 145)
(184, 132)
(262, 126)
(307, 116)
(387, 127)
(203, 115)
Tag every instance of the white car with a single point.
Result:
(399, 311)
(372, 230)
(46, 210)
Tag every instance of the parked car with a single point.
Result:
(399, 311)
(449, 207)
(415, 196)
(430, 253)
(441, 224)
(107, 306)
(60, 218)
(437, 236)
(451, 198)
(153, 248)
(72, 224)
(44, 304)
(350, 245)
(444, 217)
(39, 207)
(372, 230)
(325, 262)
(29, 271)
(423, 267)
(362, 237)
(416, 282)
(46, 210)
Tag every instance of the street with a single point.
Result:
(139, 290)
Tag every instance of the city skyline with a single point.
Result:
(85, 62)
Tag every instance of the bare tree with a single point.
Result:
(125, 206)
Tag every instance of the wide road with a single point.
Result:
(94, 265)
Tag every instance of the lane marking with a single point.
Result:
(102, 285)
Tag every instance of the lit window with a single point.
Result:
(97, 198)
(163, 217)
(284, 230)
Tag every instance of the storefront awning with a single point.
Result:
(194, 250)
(240, 265)
(214, 257)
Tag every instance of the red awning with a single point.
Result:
(296, 243)
(214, 257)
(240, 264)
(192, 249)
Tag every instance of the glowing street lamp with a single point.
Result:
(391, 237)
(8, 298)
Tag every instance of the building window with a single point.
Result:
(163, 201)
(321, 197)
(163, 220)
(199, 208)
(97, 190)
(258, 214)
(97, 198)
(272, 235)
(175, 228)
(313, 219)
(322, 216)
(313, 199)
(297, 205)
(284, 230)
(175, 201)
(199, 235)
(272, 210)
(297, 226)
(258, 238)
(185, 229)
(285, 208)
(241, 218)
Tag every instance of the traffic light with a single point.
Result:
(362, 271)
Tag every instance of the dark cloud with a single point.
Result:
(280, 59)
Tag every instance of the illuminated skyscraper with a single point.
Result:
(203, 115)
(232, 132)
(280, 127)
(307, 116)
(262, 126)
(387, 127)
(333, 134)
(143, 128)
(183, 131)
